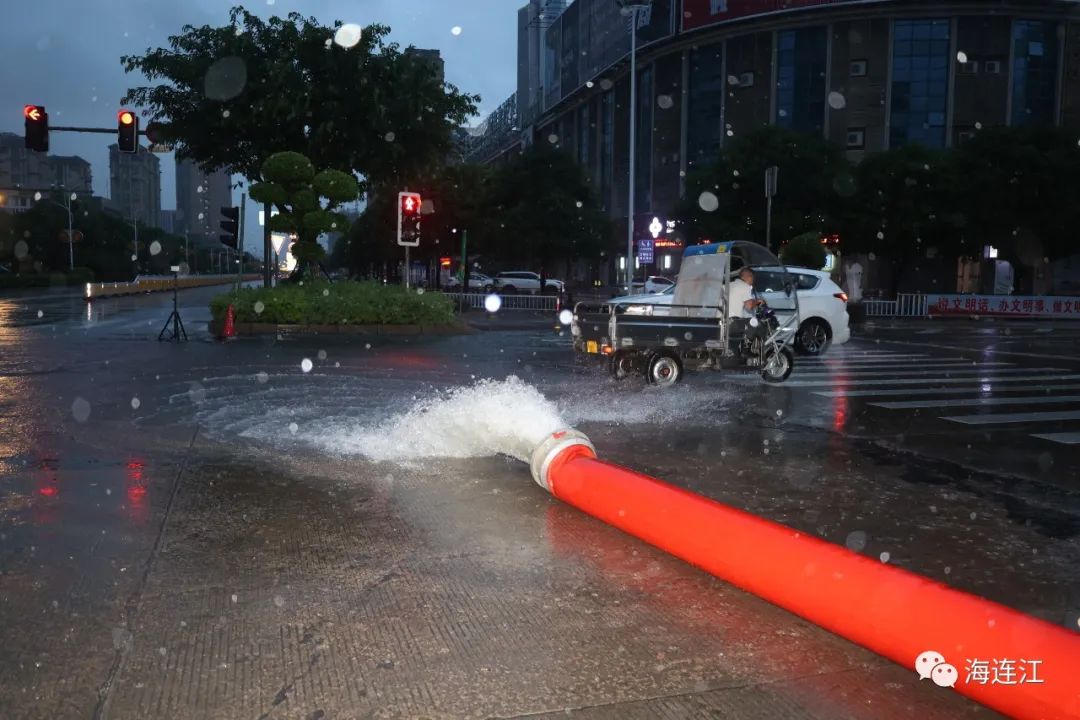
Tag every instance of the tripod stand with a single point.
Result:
(177, 332)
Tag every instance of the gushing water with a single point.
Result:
(508, 417)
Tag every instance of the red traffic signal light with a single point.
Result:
(127, 131)
(36, 126)
(445, 262)
(410, 203)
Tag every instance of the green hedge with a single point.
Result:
(79, 276)
(340, 303)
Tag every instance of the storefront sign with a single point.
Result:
(645, 251)
(1004, 305)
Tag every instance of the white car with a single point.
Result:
(523, 281)
(823, 316)
(477, 281)
(654, 284)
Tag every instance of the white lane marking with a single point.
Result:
(1004, 418)
(928, 381)
(1063, 438)
(986, 351)
(929, 332)
(950, 372)
(990, 389)
(979, 402)
(896, 364)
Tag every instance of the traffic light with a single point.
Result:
(231, 226)
(37, 128)
(127, 131)
(408, 219)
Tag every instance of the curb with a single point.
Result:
(254, 329)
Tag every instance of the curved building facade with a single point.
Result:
(868, 75)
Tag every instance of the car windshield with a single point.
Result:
(278, 439)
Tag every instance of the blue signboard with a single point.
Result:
(645, 251)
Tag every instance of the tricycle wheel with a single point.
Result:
(779, 362)
(621, 364)
(664, 369)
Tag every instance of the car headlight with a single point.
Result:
(639, 310)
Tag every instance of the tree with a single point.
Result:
(306, 201)
(726, 200)
(1016, 189)
(234, 95)
(804, 251)
(903, 204)
(544, 209)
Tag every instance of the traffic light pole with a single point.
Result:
(240, 241)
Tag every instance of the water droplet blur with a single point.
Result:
(37, 196)
(80, 410)
(456, 30)
(566, 317)
(326, 292)
(226, 78)
(553, 138)
(261, 377)
(135, 403)
(492, 303)
(856, 541)
(279, 601)
(606, 84)
(306, 365)
(155, 247)
(961, 57)
(665, 102)
(884, 557)
(259, 307)
(390, 136)
(322, 354)
(293, 428)
(708, 201)
(348, 35)
(579, 203)
(837, 101)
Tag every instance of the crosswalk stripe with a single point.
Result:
(937, 391)
(1004, 418)
(894, 364)
(952, 372)
(928, 381)
(1063, 438)
(978, 402)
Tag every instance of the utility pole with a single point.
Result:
(770, 190)
(634, 8)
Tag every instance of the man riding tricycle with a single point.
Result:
(713, 320)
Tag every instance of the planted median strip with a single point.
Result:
(343, 307)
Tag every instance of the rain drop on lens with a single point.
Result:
(492, 303)
(306, 365)
(566, 317)
(348, 35)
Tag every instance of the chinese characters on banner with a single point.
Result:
(1004, 306)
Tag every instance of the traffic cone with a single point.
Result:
(230, 323)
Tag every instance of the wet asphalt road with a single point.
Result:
(198, 531)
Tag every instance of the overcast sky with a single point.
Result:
(65, 54)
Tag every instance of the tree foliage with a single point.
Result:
(231, 96)
(804, 250)
(306, 201)
(726, 200)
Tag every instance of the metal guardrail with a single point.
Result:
(147, 284)
(509, 302)
(905, 305)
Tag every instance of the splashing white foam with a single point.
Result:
(508, 417)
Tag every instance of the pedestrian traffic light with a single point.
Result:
(37, 128)
(231, 226)
(408, 219)
(127, 131)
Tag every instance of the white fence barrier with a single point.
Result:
(509, 302)
(905, 305)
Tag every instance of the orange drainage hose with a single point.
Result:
(898, 614)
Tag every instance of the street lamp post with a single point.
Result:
(68, 199)
(634, 6)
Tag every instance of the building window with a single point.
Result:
(643, 158)
(746, 80)
(705, 120)
(856, 138)
(920, 82)
(858, 68)
(992, 67)
(800, 79)
(971, 67)
(1035, 60)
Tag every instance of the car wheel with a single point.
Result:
(778, 365)
(813, 337)
(621, 364)
(664, 369)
